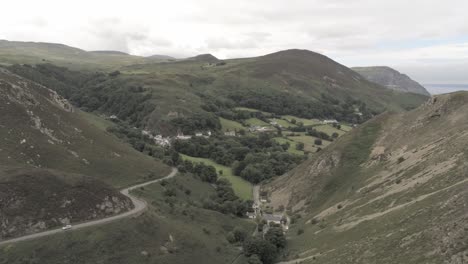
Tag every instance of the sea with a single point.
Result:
(445, 88)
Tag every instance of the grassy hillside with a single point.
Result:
(12, 52)
(293, 82)
(229, 125)
(41, 129)
(34, 200)
(175, 229)
(391, 191)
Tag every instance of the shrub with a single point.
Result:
(300, 146)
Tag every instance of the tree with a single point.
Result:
(293, 121)
(239, 234)
(300, 146)
(262, 248)
(254, 259)
(276, 237)
(318, 142)
(335, 135)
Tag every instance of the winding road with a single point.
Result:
(139, 206)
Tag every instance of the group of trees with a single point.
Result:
(266, 250)
(282, 103)
(254, 158)
(200, 121)
(114, 94)
(206, 173)
(259, 166)
(225, 200)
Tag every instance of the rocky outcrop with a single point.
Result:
(36, 200)
(391, 79)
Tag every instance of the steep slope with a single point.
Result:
(175, 229)
(296, 82)
(47, 146)
(35, 200)
(391, 191)
(40, 129)
(391, 79)
(166, 97)
(303, 73)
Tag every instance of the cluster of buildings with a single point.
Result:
(261, 129)
(166, 141)
(329, 121)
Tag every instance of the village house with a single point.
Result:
(272, 218)
(260, 129)
(330, 121)
(160, 140)
(230, 133)
(181, 136)
(251, 215)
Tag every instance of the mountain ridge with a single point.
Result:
(391, 78)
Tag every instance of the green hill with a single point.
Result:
(58, 164)
(190, 94)
(12, 52)
(40, 129)
(391, 191)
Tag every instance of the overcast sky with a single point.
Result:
(427, 39)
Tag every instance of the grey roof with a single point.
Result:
(271, 217)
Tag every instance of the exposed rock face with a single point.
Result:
(35, 200)
(391, 79)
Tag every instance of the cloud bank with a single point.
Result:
(428, 39)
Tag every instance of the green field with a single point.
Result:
(229, 125)
(283, 123)
(241, 187)
(329, 129)
(251, 110)
(306, 122)
(292, 148)
(346, 128)
(309, 142)
(256, 122)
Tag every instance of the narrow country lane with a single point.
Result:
(139, 206)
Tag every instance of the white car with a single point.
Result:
(67, 227)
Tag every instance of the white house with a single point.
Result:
(160, 140)
(230, 133)
(182, 137)
(251, 215)
(330, 121)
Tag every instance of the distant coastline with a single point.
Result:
(442, 88)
